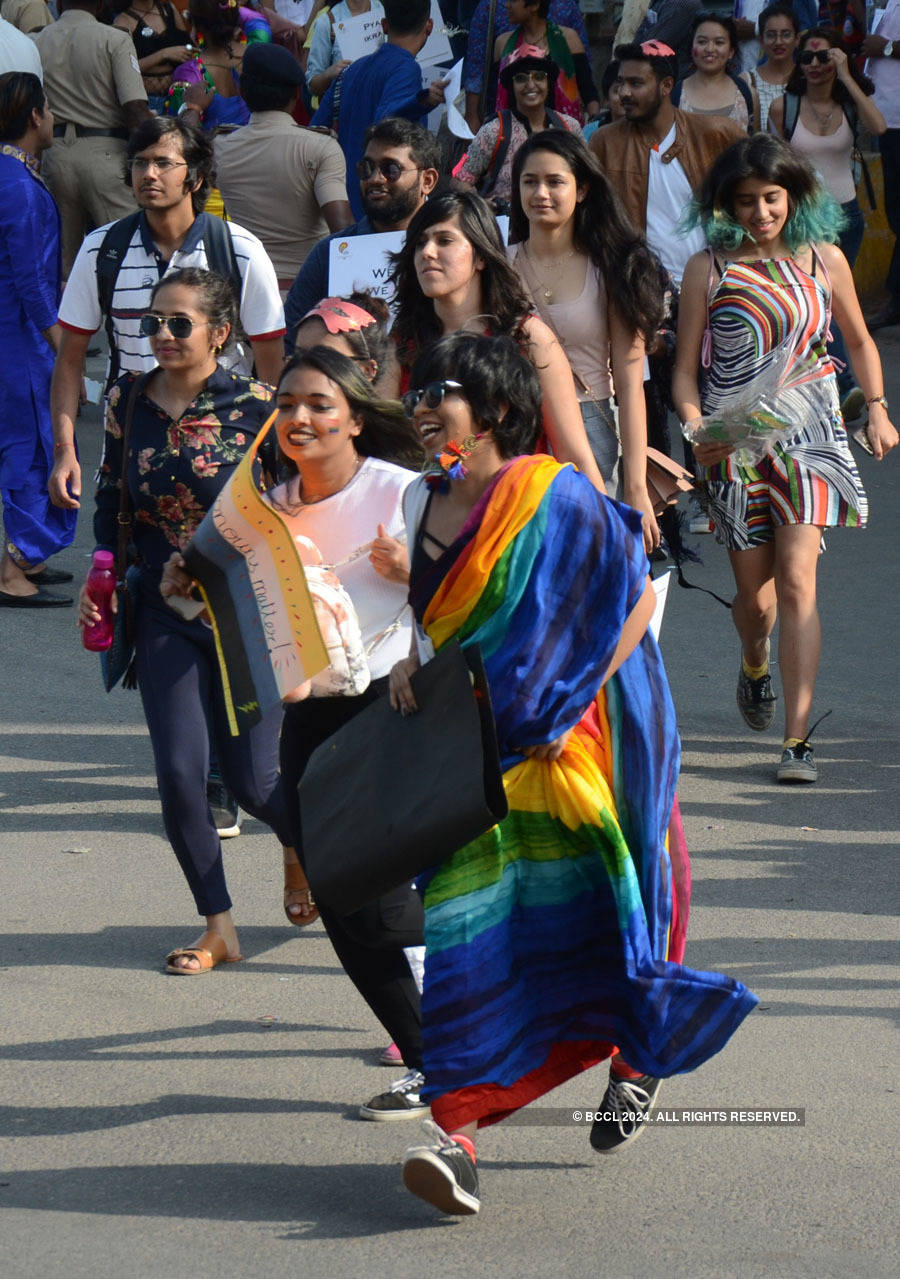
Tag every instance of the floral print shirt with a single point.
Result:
(176, 469)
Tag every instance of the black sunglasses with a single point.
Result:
(390, 170)
(433, 395)
(808, 56)
(180, 326)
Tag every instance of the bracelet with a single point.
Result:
(877, 399)
(70, 444)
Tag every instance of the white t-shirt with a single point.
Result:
(17, 52)
(886, 71)
(262, 314)
(342, 527)
(668, 193)
(750, 50)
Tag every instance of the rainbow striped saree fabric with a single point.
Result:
(555, 938)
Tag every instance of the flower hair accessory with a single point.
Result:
(449, 465)
(339, 316)
(656, 49)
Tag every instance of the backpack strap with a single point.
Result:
(706, 350)
(746, 93)
(220, 255)
(110, 256)
(791, 114)
(556, 120)
(852, 117)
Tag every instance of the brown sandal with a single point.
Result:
(209, 950)
(296, 885)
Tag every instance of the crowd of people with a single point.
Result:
(587, 276)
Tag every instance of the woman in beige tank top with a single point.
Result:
(571, 234)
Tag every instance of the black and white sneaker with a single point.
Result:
(443, 1174)
(224, 808)
(623, 1111)
(756, 699)
(401, 1101)
(797, 764)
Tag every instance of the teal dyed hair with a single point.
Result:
(816, 218)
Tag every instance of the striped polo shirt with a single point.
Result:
(261, 312)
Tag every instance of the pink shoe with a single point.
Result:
(390, 1056)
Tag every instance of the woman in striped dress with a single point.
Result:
(758, 304)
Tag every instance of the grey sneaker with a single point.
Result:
(797, 764)
(401, 1101)
(623, 1111)
(756, 699)
(443, 1174)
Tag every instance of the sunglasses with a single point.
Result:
(390, 170)
(529, 77)
(808, 56)
(433, 395)
(180, 326)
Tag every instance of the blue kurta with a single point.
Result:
(29, 297)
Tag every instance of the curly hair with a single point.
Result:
(503, 302)
(602, 230)
(387, 432)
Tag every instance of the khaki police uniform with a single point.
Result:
(26, 15)
(90, 70)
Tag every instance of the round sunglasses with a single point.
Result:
(180, 326)
(390, 170)
(433, 395)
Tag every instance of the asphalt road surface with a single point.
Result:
(208, 1127)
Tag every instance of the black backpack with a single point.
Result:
(792, 115)
(220, 256)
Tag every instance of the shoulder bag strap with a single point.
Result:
(124, 517)
(109, 260)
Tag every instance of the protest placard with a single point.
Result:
(362, 262)
(358, 36)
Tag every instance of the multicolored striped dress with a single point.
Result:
(557, 937)
(758, 311)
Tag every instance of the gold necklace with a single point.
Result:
(823, 121)
(552, 263)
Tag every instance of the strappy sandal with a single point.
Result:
(296, 886)
(209, 950)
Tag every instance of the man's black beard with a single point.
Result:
(389, 212)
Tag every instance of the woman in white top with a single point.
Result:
(572, 235)
(326, 60)
(351, 452)
(779, 33)
(824, 102)
(712, 88)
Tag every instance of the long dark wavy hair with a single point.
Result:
(602, 230)
(839, 92)
(387, 432)
(503, 301)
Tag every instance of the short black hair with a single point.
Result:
(493, 374)
(723, 20)
(195, 146)
(662, 67)
(406, 17)
(21, 92)
(609, 77)
(394, 131)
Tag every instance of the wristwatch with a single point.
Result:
(888, 50)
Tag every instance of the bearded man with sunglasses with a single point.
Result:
(399, 170)
(169, 167)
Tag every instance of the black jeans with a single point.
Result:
(369, 943)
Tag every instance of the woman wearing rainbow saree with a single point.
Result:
(553, 941)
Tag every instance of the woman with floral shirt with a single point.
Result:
(192, 423)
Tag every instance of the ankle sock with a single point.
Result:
(754, 672)
(467, 1143)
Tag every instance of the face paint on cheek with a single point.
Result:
(334, 430)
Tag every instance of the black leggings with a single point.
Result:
(178, 676)
(369, 943)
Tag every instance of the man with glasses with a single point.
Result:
(170, 161)
(386, 83)
(399, 170)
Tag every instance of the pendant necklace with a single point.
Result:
(555, 264)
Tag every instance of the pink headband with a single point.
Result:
(656, 49)
(339, 316)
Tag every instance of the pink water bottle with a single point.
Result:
(101, 585)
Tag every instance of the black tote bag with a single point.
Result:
(388, 796)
